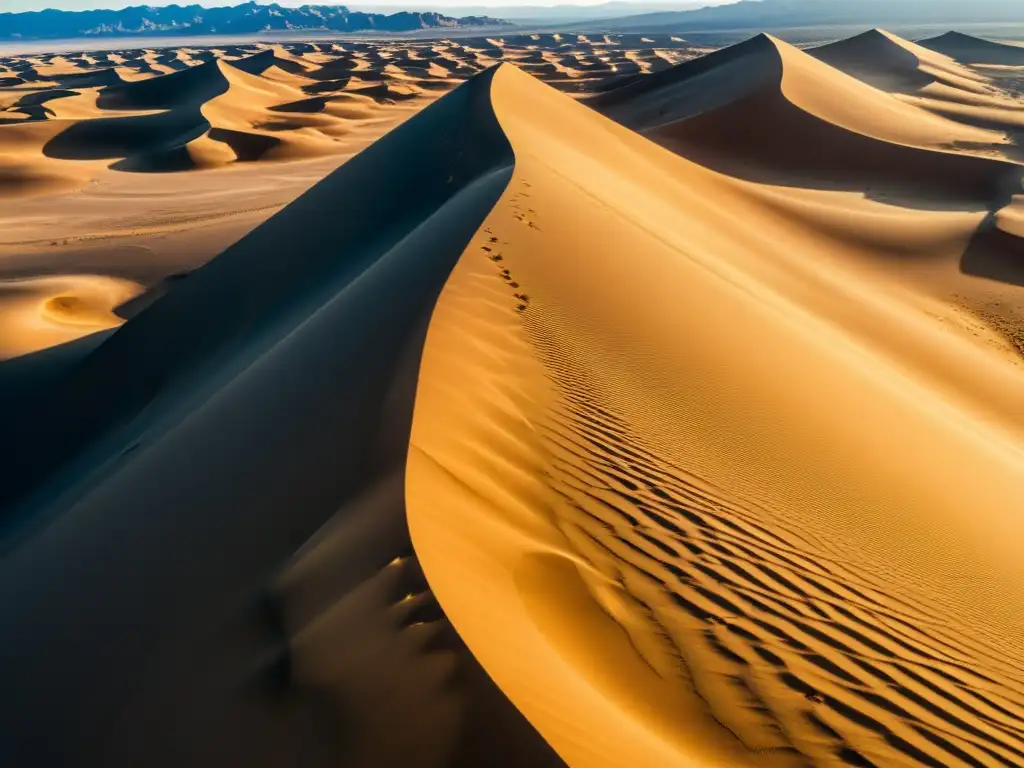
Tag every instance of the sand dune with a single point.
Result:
(677, 424)
(889, 62)
(667, 491)
(972, 50)
(765, 65)
(929, 79)
(244, 321)
(816, 125)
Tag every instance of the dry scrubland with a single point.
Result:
(662, 409)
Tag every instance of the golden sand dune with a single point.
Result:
(892, 63)
(921, 76)
(685, 459)
(42, 312)
(814, 124)
(248, 324)
(688, 434)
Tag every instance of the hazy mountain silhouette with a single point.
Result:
(246, 18)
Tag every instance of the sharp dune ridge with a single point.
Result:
(676, 423)
(276, 642)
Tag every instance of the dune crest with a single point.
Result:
(240, 647)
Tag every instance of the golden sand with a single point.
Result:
(673, 420)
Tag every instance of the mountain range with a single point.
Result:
(559, 14)
(247, 18)
(786, 14)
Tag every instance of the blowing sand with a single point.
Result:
(676, 424)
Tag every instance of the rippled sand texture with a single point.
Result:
(708, 466)
(671, 422)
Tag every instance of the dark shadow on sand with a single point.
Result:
(994, 254)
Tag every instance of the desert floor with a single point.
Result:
(528, 401)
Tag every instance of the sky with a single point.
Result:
(15, 6)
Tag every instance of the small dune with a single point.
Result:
(42, 312)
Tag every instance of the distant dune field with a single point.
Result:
(526, 401)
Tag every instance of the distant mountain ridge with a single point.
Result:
(779, 14)
(561, 13)
(246, 18)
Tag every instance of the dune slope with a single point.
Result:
(681, 501)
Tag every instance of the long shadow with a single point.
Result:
(95, 79)
(110, 138)
(336, 69)
(27, 381)
(871, 57)
(260, 62)
(994, 254)
(327, 85)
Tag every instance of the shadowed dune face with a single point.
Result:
(934, 75)
(265, 669)
(680, 430)
(194, 85)
(973, 50)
